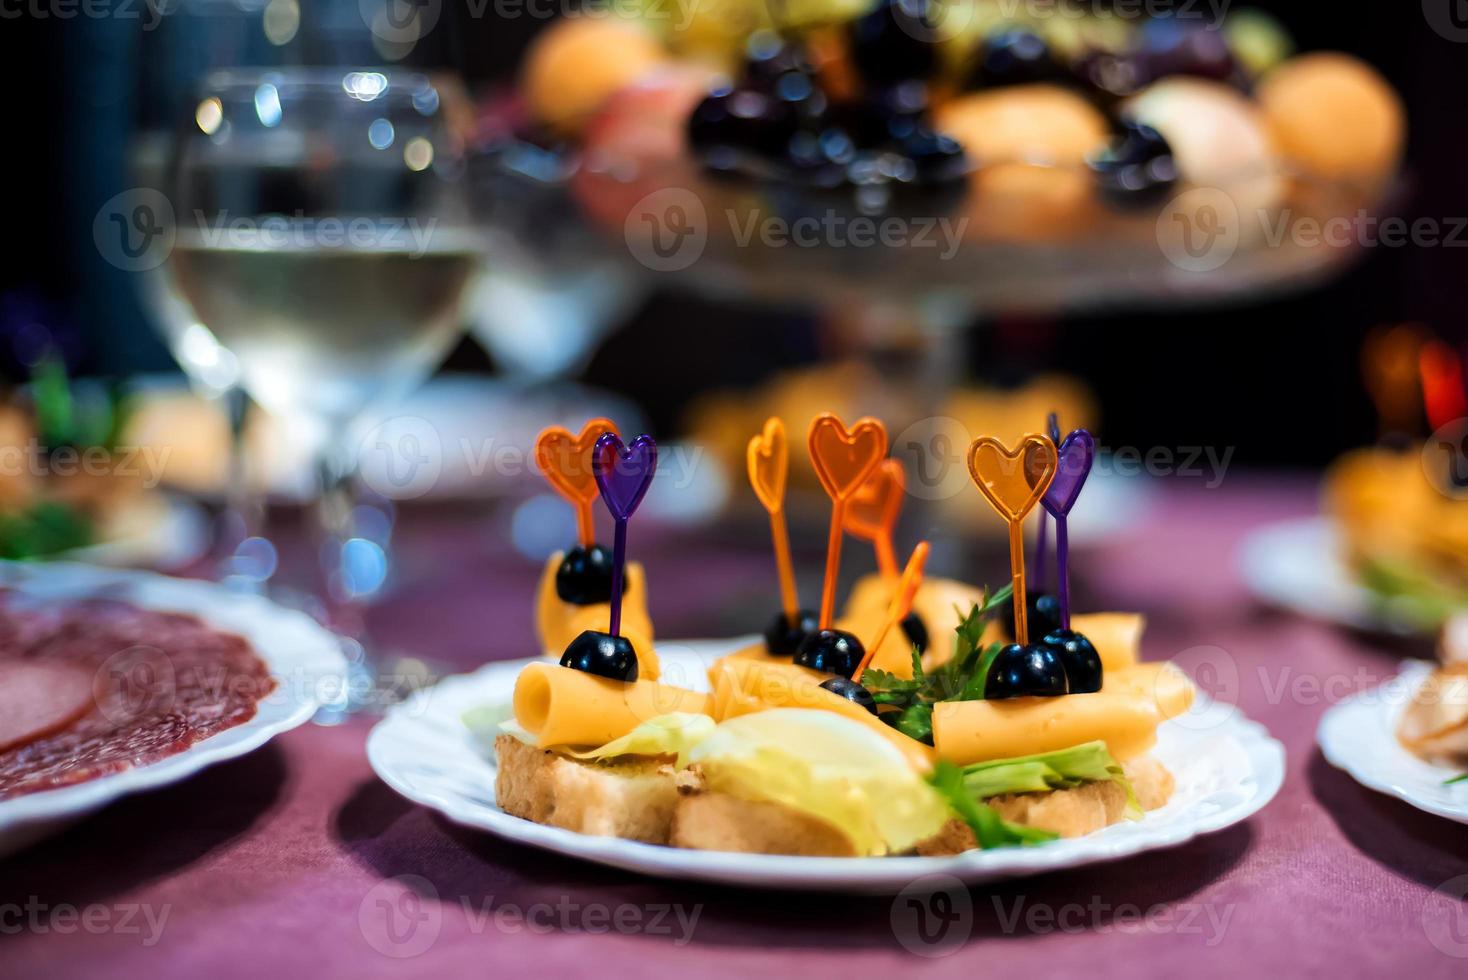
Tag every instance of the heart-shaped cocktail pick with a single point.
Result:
(1013, 481)
(901, 605)
(623, 474)
(769, 466)
(566, 461)
(873, 512)
(843, 459)
(1039, 567)
(1076, 456)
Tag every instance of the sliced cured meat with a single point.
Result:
(38, 699)
(153, 683)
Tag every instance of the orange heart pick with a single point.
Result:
(874, 509)
(877, 504)
(566, 462)
(769, 465)
(844, 459)
(1013, 480)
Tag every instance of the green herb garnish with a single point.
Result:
(962, 678)
(46, 528)
(990, 829)
(1463, 778)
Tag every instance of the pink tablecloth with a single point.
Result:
(296, 861)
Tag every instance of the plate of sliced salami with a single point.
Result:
(113, 682)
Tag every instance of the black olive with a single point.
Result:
(851, 691)
(602, 654)
(1043, 614)
(1015, 57)
(1026, 670)
(783, 637)
(831, 651)
(896, 42)
(584, 577)
(916, 631)
(1137, 169)
(1082, 663)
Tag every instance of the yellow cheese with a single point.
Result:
(1168, 686)
(757, 651)
(742, 686)
(561, 706)
(1117, 637)
(941, 603)
(980, 731)
(553, 616)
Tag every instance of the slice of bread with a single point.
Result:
(1067, 812)
(647, 800)
(706, 821)
(629, 798)
(719, 822)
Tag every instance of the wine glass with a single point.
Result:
(322, 240)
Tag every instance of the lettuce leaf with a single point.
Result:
(676, 733)
(990, 829)
(1089, 762)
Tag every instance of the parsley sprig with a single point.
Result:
(910, 701)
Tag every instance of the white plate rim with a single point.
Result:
(1373, 715)
(305, 659)
(1265, 755)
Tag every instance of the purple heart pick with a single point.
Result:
(1073, 465)
(623, 473)
(1076, 455)
(1037, 567)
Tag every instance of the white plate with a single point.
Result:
(1359, 736)
(1226, 767)
(305, 660)
(1297, 565)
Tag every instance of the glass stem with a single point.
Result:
(334, 506)
(243, 558)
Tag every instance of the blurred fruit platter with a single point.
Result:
(1010, 161)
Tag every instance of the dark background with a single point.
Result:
(1278, 379)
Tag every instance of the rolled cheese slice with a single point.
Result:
(561, 706)
(1169, 687)
(1117, 637)
(556, 620)
(742, 686)
(966, 732)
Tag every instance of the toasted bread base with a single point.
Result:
(647, 800)
(719, 822)
(1067, 812)
(633, 799)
